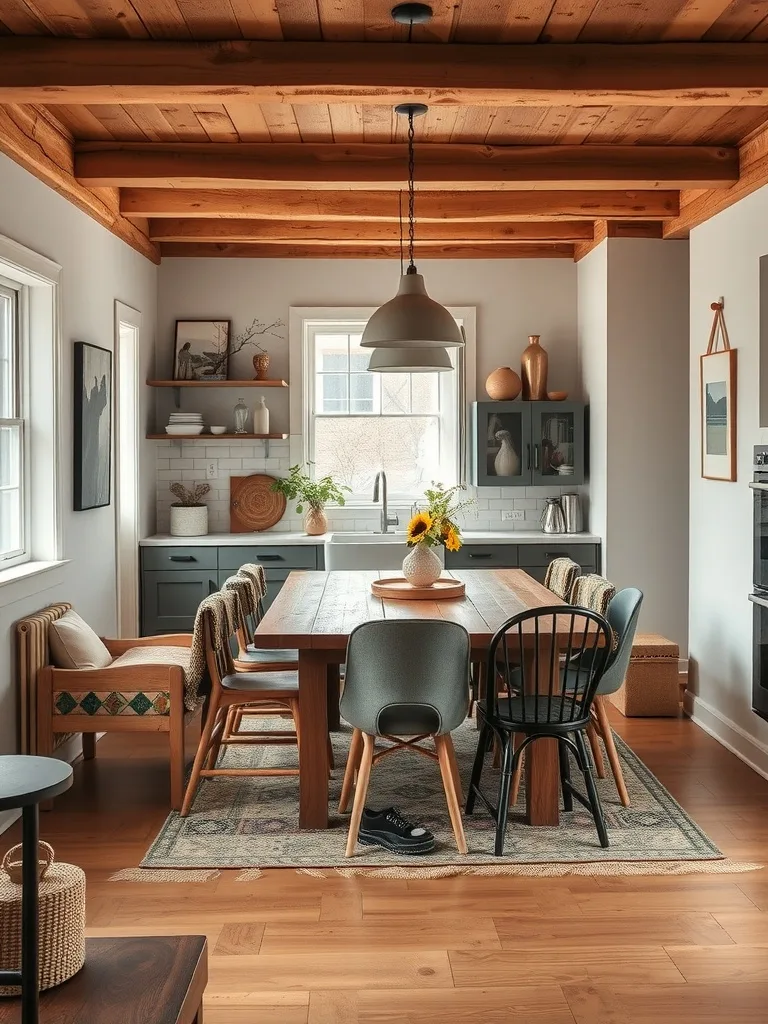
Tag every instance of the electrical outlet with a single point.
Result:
(513, 513)
(211, 471)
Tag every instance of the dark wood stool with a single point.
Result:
(141, 980)
(25, 782)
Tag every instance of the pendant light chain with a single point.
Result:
(411, 192)
(400, 219)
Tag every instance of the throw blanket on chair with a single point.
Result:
(223, 610)
(560, 577)
(246, 591)
(256, 574)
(596, 593)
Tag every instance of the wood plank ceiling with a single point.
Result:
(262, 175)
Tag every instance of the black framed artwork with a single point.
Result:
(93, 426)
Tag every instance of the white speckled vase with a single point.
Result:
(422, 567)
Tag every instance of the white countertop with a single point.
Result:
(266, 539)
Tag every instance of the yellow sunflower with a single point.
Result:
(452, 539)
(418, 527)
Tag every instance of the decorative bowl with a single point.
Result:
(187, 428)
(218, 430)
(557, 396)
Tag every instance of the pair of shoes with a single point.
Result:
(389, 829)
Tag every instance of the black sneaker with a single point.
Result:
(389, 829)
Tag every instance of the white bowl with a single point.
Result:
(218, 430)
(179, 429)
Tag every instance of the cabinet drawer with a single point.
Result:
(283, 557)
(179, 558)
(542, 554)
(483, 556)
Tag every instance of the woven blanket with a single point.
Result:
(222, 608)
(560, 577)
(246, 592)
(593, 592)
(256, 573)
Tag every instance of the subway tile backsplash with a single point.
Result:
(186, 461)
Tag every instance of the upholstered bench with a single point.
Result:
(652, 685)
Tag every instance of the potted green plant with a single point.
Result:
(189, 515)
(315, 494)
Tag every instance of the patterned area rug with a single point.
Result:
(253, 822)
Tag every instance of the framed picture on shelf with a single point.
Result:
(93, 426)
(201, 349)
(718, 404)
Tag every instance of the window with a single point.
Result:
(356, 422)
(13, 532)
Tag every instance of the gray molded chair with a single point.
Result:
(622, 615)
(406, 681)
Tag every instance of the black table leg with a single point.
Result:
(30, 993)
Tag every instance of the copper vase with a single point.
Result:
(534, 362)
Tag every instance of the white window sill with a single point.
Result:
(30, 577)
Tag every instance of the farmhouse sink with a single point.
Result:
(366, 551)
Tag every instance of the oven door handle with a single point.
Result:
(757, 486)
(762, 601)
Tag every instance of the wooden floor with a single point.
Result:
(299, 950)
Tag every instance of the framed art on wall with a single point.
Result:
(718, 403)
(201, 349)
(93, 426)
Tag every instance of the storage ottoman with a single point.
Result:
(651, 688)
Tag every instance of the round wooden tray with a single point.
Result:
(253, 505)
(397, 588)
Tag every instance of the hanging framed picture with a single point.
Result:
(93, 426)
(718, 403)
(201, 350)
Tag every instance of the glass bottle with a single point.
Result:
(241, 417)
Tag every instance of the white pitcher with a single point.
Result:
(507, 461)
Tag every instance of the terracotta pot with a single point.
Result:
(422, 567)
(503, 385)
(316, 522)
(261, 365)
(534, 364)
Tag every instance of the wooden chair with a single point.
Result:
(405, 682)
(251, 585)
(141, 691)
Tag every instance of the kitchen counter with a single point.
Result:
(267, 538)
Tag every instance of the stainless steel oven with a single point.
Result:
(759, 595)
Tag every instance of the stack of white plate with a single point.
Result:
(185, 423)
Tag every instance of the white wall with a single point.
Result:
(97, 269)
(633, 334)
(725, 255)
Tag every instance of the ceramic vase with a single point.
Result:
(189, 520)
(503, 385)
(316, 522)
(421, 566)
(261, 365)
(534, 364)
(507, 461)
(261, 418)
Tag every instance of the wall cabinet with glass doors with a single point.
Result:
(527, 444)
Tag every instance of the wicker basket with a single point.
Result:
(652, 686)
(62, 919)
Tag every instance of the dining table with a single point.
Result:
(315, 612)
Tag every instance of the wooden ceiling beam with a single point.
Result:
(618, 229)
(93, 71)
(383, 166)
(472, 207)
(363, 232)
(447, 251)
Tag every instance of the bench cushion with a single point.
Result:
(74, 644)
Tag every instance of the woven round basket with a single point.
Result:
(62, 918)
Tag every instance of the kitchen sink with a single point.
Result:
(366, 551)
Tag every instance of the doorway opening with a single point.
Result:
(127, 342)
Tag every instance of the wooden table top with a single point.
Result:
(318, 610)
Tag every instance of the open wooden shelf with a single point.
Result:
(216, 437)
(217, 383)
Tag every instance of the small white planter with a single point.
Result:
(189, 520)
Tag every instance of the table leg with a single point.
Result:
(30, 993)
(313, 751)
(334, 695)
(542, 765)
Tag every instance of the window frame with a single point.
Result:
(20, 376)
(303, 326)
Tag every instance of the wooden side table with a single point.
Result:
(25, 782)
(141, 980)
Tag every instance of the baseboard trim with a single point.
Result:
(746, 747)
(69, 751)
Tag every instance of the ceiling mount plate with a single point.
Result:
(412, 14)
(408, 109)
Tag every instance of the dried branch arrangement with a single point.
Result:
(189, 498)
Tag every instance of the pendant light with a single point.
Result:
(411, 332)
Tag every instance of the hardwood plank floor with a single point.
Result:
(295, 949)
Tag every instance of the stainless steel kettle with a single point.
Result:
(552, 518)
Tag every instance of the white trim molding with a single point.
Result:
(746, 747)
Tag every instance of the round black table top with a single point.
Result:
(26, 779)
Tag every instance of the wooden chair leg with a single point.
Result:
(89, 745)
(597, 753)
(610, 749)
(219, 729)
(451, 797)
(454, 767)
(176, 756)
(353, 763)
(517, 776)
(361, 791)
(331, 758)
(202, 750)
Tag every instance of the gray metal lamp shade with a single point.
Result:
(413, 359)
(411, 318)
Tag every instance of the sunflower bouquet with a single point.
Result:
(436, 524)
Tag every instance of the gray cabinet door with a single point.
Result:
(501, 444)
(170, 599)
(557, 443)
